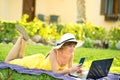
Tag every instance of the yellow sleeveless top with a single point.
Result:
(37, 61)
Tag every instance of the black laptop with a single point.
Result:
(99, 69)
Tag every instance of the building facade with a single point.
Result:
(65, 10)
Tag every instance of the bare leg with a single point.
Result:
(22, 49)
(18, 49)
(14, 52)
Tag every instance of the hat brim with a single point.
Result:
(59, 46)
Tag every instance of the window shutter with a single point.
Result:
(104, 7)
(118, 7)
(110, 7)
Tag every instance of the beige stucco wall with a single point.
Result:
(10, 9)
(41, 7)
(93, 14)
(66, 9)
(68, 13)
(3, 9)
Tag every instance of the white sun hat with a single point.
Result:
(68, 37)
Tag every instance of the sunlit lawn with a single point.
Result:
(89, 53)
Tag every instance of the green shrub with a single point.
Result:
(7, 31)
(94, 32)
(114, 33)
(88, 43)
(117, 45)
(52, 32)
(112, 44)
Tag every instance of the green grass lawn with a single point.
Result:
(89, 53)
(96, 54)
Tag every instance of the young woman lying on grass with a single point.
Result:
(59, 60)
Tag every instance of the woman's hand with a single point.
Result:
(75, 68)
(80, 70)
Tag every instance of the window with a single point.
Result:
(110, 9)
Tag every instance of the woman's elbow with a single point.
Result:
(61, 72)
(55, 72)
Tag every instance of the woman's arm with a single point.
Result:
(54, 63)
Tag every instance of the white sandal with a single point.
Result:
(23, 32)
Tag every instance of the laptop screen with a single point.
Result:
(99, 68)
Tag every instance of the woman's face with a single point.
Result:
(69, 46)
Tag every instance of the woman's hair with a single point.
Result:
(69, 43)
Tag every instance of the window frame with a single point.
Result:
(110, 9)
